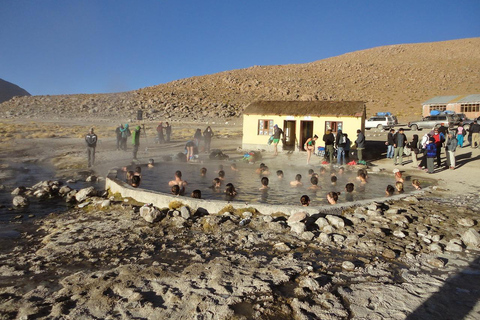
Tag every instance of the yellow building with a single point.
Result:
(300, 120)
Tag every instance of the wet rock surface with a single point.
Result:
(386, 260)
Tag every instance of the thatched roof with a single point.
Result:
(307, 108)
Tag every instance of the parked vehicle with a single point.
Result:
(432, 122)
(380, 122)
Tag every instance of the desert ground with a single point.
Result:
(410, 258)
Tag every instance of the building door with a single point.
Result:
(306, 131)
(289, 128)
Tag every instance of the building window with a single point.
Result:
(471, 107)
(265, 127)
(333, 126)
(439, 107)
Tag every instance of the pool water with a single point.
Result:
(247, 183)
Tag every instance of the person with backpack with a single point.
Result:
(136, 141)
(340, 143)
(399, 142)
(125, 133)
(91, 140)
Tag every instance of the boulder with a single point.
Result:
(185, 213)
(297, 217)
(466, 222)
(471, 238)
(20, 201)
(19, 191)
(348, 266)
(150, 214)
(64, 190)
(322, 223)
(335, 221)
(84, 193)
(297, 227)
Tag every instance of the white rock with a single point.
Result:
(150, 214)
(105, 203)
(307, 235)
(324, 238)
(399, 234)
(281, 247)
(335, 221)
(338, 238)
(84, 193)
(20, 201)
(348, 265)
(471, 238)
(296, 217)
(321, 223)
(453, 247)
(185, 213)
(466, 222)
(297, 227)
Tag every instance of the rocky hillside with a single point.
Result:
(9, 90)
(395, 78)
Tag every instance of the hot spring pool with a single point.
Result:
(247, 183)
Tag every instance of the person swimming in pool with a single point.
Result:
(305, 200)
(332, 197)
(178, 180)
(196, 194)
(264, 182)
(314, 182)
(297, 182)
(216, 184)
(349, 189)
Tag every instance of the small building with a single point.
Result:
(467, 104)
(300, 120)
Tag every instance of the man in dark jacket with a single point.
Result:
(329, 140)
(390, 144)
(91, 141)
(474, 130)
(399, 142)
(360, 143)
(136, 141)
(340, 142)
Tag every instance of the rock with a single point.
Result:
(471, 238)
(150, 214)
(324, 238)
(322, 223)
(348, 265)
(307, 235)
(466, 222)
(64, 190)
(335, 221)
(19, 191)
(399, 234)
(105, 203)
(454, 247)
(20, 201)
(70, 197)
(178, 222)
(297, 217)
(338, 238)
(436, 262)
(435, 247)
(389, 254)
(297, 227)
(91, 178)
(282, 247)
(84, 193)
(411, 199)
(185, 213)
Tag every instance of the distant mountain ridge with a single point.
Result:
(9, 90)
(395, 78)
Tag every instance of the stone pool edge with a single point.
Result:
(162, 200)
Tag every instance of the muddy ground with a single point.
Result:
(414, 258)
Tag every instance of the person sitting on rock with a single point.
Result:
(297, 182)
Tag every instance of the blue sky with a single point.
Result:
(86, 46)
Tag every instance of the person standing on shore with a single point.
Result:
(160, 137)
(91, 140)
(118, 132)
(329, 140)
(431, 154)
(390, 143)
(399, 142)
(451, 147)
(125, 132)
(474, 130)
(136, 141)
(460, 133)
(168, 130)
(310, 147)
(439, 140)
(207, 136)
(277, 133)
(360, 144)
(340, 142)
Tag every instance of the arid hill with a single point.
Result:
(395, 78)
(9, 90)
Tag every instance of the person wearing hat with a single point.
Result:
(91, 140)
(277, 132)
(136, 141)
(431, 155)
